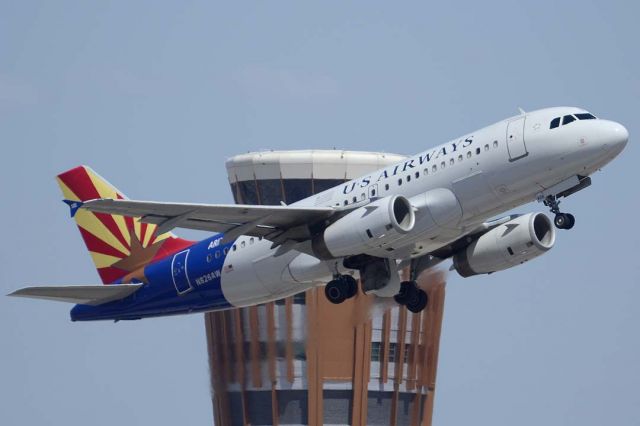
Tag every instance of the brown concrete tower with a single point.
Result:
(303, 360)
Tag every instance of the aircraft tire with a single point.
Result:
(407, 293)
(420, 304)
(571, 220)
(351, 285)
(336, 291)
(560, 221)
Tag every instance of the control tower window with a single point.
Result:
(555, 123)
(568, 119)
(585, 116)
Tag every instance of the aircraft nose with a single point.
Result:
(617, 136)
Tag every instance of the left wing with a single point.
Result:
(279, 222)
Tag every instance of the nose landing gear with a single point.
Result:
(341, 288)
(562, 220)
(411, 296)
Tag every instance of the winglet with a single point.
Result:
(73, 206)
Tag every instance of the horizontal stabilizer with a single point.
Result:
(80, 294)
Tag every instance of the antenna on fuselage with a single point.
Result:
(523, 112)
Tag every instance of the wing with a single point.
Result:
(234, 220)
(82, 294)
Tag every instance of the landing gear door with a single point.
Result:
(515, 139)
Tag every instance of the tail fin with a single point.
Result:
(120, 246)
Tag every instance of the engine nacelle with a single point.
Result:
(512, 243)
(375, 225)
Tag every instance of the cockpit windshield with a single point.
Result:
(585, 116)
(569, 118)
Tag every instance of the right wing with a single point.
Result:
(283, 222)
(80, 294)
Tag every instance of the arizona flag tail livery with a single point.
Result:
(120, 246)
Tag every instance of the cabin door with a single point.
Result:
(515, 139)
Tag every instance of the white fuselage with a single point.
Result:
(490, 171)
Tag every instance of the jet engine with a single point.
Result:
(375, 225)
(512, 243)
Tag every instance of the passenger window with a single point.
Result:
(346, 202)
(373, 192)
(434, 168)
(486, 147)
(408, 178)
(355, 199)
(386, 186)
(555, 123)
(568, 119)
(363, 196)
(417, 175)
(242, 244)
(451, 162)
(468, 154)
(478, 151)
(495, 144)
(251, 240)
(234, 247)
(426, 171)
(209, 258)
(585, 116)
(460, 158)
(442, 165)
(226, 251)
(399, 181)
(217, 254)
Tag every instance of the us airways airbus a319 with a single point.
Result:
(443, 203)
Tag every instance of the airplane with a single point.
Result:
(436, 205)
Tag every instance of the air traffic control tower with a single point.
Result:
(303, 360)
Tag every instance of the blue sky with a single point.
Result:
(155, 96)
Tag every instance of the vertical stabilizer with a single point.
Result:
(120, 246)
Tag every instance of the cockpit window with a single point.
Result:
(555, 123)
(568, 119)
(585, 116)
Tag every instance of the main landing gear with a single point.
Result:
(414, 298)
(562, 220)
(341, 288)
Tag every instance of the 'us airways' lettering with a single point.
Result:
(421, 159)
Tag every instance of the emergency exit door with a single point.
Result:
(515, 139)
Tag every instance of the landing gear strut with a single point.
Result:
(341, 288)
(411, 296)
(562, 220)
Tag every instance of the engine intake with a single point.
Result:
(375, 225)
(512, 243)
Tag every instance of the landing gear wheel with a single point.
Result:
(560, 221)
(336, 291)
(564, 221)
(351, 285)
(340, 289)
(420, 303)
(406, 293)
(571, 221)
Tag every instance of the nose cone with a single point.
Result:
(616, 137)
